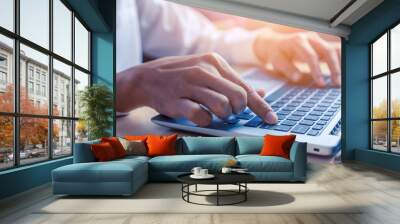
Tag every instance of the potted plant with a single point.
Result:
(96, 104)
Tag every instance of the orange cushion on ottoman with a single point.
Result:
(103, 152)
(277, 145)
(161, 145)
(116, 145)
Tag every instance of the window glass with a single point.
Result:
(34, 81)
(395, 47)
(81, 45)
(62, 29)
(395, 94)
(81, 131)
(379, 56)
(379, 135)
(395, 136)
(81, 82)
(7, 14)
(39, 62)
(62, 89)
(34, 21)
(62, 138)
(379, 98)
(6, 74)
(6, 142)
(33, 140)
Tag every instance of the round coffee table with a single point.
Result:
(238, 179)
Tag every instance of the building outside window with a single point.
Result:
(38, 89)
(3, 61)
(44, 91)
(44, 77)
(3, 78)
(56, 128)
(3, 72)
(385, 95)
(30, 72)
(37, 74)
(30, 87)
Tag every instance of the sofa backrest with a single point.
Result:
(206, 145)
(249, 145)
(83, 152)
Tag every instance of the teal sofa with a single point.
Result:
(125, 176)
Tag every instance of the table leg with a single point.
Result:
(195, 188)
(188, 190)
(217, 194)
(245, 193)
(182, 188)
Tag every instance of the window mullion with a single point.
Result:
(16, 84)
(389, 100)
(371, 142)
(73, 82)
(50, 81)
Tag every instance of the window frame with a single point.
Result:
(388, 74)
(16, 115)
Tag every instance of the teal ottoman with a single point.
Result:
(118, 177)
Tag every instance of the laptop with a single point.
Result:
(312, 114)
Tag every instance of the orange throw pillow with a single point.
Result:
(161, 145)
(116, 145)
(277, 145)
(103, 152)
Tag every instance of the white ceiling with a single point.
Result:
(321, 9)
(316, 15)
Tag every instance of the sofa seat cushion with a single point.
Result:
(133, 158)
(185, 163)
(257, 163)
(113, 171)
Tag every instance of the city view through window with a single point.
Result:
(40, 84)
(385, 92)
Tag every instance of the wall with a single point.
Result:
(356, 92)
(103, 60)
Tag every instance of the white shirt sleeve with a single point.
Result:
(169, 29)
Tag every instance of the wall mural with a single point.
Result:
(199, 72)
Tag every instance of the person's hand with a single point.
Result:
(184, 86)
(283, 50)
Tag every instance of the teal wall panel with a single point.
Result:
(24, 178)
(103, 62)
(356, 99)
(90, 12)
(380, 159)
(356, 102)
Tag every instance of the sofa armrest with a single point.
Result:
(83, 152)
(298, 155)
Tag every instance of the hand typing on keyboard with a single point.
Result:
(284, 50)
(192, 87)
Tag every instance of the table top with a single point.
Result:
(220, 178)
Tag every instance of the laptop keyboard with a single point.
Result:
(300, 110)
